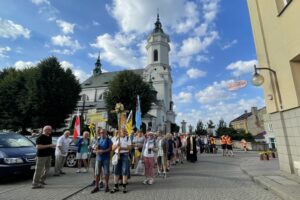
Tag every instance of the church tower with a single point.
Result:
(97, 71)
(158, 70)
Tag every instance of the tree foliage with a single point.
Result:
(124, 88)
(33, 97)
(200, 130)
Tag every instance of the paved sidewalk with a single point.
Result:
(57, 187)
(267, 174)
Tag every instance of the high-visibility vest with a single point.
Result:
(223, 139)
(212, 140)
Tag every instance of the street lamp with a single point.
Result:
(258, 80)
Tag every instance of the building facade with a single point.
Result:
(251, 122)
(277, 42)
(157, 70)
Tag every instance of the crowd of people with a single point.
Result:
(152, 154)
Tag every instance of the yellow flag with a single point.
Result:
(129, 127)
(92, 133)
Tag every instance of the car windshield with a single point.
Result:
(14, 140)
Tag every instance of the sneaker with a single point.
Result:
(101, 185)
(37, 186)
(145, 182)
(62, 172)
(106, 189)
(96, 189)
(78, 171)
(93, 183)
(83, 170)
(124, 190)
(150, 182)
(115, 189)
(43, 183)
(165, 175)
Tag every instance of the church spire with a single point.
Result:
(158, 26)
(97, 70)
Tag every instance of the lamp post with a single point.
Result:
(258, 80)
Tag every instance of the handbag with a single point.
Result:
(115, 159)
(140, 168)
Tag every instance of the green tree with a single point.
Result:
(124, 88)
(200, 130)
(33, 97)
(175, 128)
(58, 92)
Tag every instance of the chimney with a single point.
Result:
(254, 111)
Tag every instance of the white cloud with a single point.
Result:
(195, 73)
(183, 97)
(180, 81)
(4, 51)
(230, 44)
(191, 18)
(24, 64)
(71, 46)
(9, 29)
(117, 51)
(202, 58)
(218, 110)
(241, 67)
(79, 73)
(95, 23)
(210, 9)
(40, 2)
(66, 27)
(215, 92)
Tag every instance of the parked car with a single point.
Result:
(71, 157)
(17, 154)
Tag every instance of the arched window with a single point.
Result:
(155, 55)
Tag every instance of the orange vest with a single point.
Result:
(229, 140)
(212, 140)
(223, 139)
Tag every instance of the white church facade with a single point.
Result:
(157, 71)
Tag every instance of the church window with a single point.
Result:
(100, 97)
(155, 55)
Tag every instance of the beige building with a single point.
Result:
(277, 40)
(252, 122)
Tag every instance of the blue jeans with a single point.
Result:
(122, 168)
(102, 164)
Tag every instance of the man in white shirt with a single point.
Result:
(61, 152)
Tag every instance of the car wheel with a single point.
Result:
(71, 160)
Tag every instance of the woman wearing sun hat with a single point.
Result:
(148, 158)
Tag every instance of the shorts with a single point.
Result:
(122, 168)
(229, 147)
(102, 164)
(170, 156)
(81, 156)
(223, 146)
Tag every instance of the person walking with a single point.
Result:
(162, 151)
(138, 143)
(43, 157)
(148, 158)
(229, 143)
(213, 144)
(102, 151)
(122, 168)
(61, 152)
(223, 144)
(82, 152)
(170, 152)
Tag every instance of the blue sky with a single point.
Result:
(211, 45)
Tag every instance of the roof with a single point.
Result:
(260, 135)
(103, 79)
(242, 117)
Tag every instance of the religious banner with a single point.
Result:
(97, 117)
